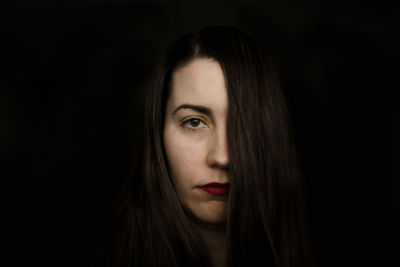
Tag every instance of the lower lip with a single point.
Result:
(216, 191)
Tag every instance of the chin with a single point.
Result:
(210, 215)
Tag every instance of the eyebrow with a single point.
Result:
(200, 109)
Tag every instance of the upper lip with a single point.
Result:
(216, 185)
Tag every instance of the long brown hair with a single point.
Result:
(266, 223)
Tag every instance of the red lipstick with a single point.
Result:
(216, 189)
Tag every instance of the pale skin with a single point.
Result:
(195, 140)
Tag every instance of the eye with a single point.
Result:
(193, 124)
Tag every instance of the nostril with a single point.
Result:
(219, 161)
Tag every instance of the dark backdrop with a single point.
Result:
(71, 100)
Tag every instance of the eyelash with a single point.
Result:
(186, 122)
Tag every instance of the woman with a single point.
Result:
(217, 183)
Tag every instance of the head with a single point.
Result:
(216, 114)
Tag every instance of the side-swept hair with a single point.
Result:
(266, 222)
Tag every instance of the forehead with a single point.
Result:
(200, 82)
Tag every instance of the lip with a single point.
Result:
(216, 189)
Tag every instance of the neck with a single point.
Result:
(214, 235)
(215, 240)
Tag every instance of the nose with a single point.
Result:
(218, 153)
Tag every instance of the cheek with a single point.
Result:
(186, 158)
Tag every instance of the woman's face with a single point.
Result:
(195, 139)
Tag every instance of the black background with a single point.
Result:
(72, 81)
